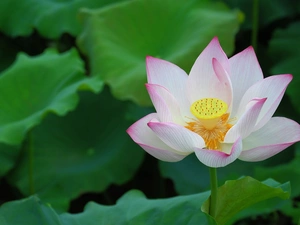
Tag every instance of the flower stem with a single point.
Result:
(255, 13)
(214, 191)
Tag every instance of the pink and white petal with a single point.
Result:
(225, 82)
(275, 136)
(213, 158)
(146, 138)
(203, 81)
(273, 89)
(176, 136)
(278, 130)
(165, 104)
(262, 152)
(246, 123)
(163, 154)
(244, 72)
(171, 77)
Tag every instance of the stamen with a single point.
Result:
(209, 111)
(212, 124)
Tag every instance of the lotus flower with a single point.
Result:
(221, 111)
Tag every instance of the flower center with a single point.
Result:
(209, 111)
(212, 124)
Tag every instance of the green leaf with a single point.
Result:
(85, 151)
(118, 38)
(237, 195)
(269, 206)
(28, 211)
(50, 18)
(35, 86)
(133, 208)
(285, 50)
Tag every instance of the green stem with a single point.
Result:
(30, 164)
(255, 13)
(214, 191)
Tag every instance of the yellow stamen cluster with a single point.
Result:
(209, 108)
(212, 124)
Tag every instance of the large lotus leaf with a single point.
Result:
(85, 151)
(35, 86)
(117, 39)
(28, 211)
(263, 209)
(269, 10)
(50, 18)
(236, 195)
(285, 50)
(132, 209)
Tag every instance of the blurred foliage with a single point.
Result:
(62, 133)
(133, 208)
(39, 87)
(50, 18)
(79, 153)
(270, 11)
(285, 51)
(118, 39)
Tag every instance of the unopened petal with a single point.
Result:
(145, 137)
(203, 81)
(214, 158)
(176, 136)
(272, 88)
(246, 122)
(244, 72)
(278, 134)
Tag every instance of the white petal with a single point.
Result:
(213, 158)
(165, 104)
(262, 152)
(272, 88)
(163, 154)
(244, 72)
(275, 136)
(203, 81)
(246, 123)
(145, 137)
(176, 136)
(172, 78)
